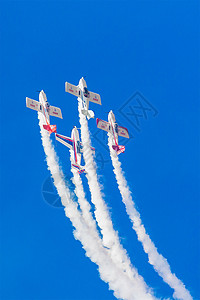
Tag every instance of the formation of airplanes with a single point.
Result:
(74, 144)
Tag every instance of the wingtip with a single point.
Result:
(66, 86)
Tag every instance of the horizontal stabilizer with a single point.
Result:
(119, 149)
(78, 168)
(88, 113)
(50, 128)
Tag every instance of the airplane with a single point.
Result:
(46, 109)
(75, 145)
(116, 130)
(84, 96)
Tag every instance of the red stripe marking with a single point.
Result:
(75, 151)
(65, 138)
(123, 127)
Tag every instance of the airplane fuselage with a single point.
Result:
(113, 127)
(83, 94)
(76, 145)
(45, 105)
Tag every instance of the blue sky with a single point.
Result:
(122, 47)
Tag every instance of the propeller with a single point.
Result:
(109, 111)
(76, 127)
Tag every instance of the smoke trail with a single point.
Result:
(123, 288)
(83, 203)
(158, 262)
(109, 236)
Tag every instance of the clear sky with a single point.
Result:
(131, 52)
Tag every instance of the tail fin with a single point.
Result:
(119, 149)
(88, 113)
(50, 128)
(78, 168)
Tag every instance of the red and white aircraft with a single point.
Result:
(75, 145)
(116, 130)
(47, 110)
(84, 96)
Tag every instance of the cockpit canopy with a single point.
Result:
(86, 92)
(47, 106)
(79, 147)
(116, 128)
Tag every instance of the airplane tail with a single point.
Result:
(50, 128)
(119, 149)
(88, 113)
(78, 168)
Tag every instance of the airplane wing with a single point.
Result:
(103, 125)
(95, 98)
(81, 148)
(30, 103)
(122, 131)
(72, 89)
(93, 149)
(64, 140)
(55, 111)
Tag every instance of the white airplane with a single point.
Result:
(47, 110)
(116, 130)
(75, 145)
(84, 96)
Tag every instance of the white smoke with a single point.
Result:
(159, 263)
(110, 273)
(128, 285)
(109, 235)
(83, 203)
